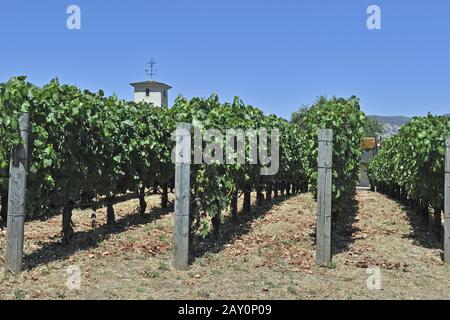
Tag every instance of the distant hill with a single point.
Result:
(391, 124)
(394, 120)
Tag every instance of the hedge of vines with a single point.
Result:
(218, 186)
(85, 146)
(347, 121)
(410, 165)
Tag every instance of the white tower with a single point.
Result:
(152, 92)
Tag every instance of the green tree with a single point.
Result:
(298, 117)
(373, 128)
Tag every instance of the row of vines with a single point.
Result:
(85, 146)
(410, 165)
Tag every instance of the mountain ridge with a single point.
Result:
(392, 124)
(393, 120)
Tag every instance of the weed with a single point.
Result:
(19, 294)
(292, 290)
(332, 265)
(152, 274)
(163, 266)
(203, 294)
(164, 238)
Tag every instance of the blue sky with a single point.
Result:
(274, 54)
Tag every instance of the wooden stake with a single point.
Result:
(447, 204)
(324, 180)
(182, 197)
(17, 200)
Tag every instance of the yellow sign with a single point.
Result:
(369, 143)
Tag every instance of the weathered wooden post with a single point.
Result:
(182, 197)
(324, 187)
(447, 204)
(17, 200)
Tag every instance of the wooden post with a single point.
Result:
(234, 205)
(247, 205)
(165, 196)
(324, 187)
(182, 197)
(17, 200)
(447, 204)
(269, 191)
(3, 209)
(110, 214)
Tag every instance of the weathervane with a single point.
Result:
(151, 69)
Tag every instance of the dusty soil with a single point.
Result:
(268, 255)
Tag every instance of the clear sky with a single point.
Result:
(274, 54)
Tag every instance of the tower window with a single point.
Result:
(165, 93)
(147, 92)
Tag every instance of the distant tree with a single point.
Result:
(297, 117)
(373, 128)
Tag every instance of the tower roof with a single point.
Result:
(150, 83)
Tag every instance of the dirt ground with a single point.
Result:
(268, 255)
